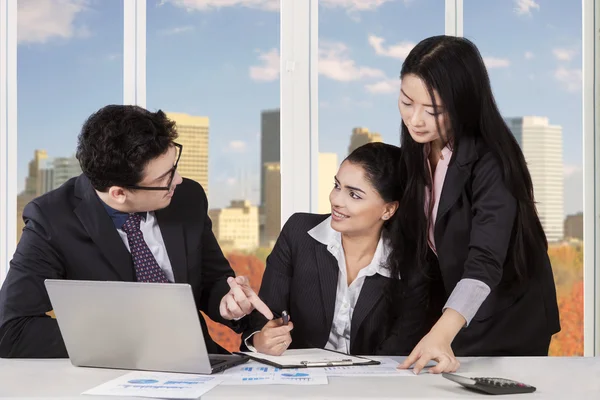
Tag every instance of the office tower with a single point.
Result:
(542, 146)
(193, 136)
(328, 166)
(64, 168)
(269, 153)
(269, 144)
(33, 187)
(31, 182)
(362, 136)
(272, 205)
(45, 181)
(574, 226)
(236, 227)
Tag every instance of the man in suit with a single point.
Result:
(129, 216)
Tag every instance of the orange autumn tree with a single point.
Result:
(569, 341)
(567, 265)
(251, 267)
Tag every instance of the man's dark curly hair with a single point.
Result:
(117, 142)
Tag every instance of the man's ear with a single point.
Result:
(117, 194)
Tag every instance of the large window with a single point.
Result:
(361, 49)
(69, 64)
(533, 53)
(213, 65)
(214, 68)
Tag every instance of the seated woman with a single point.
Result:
(343, 277)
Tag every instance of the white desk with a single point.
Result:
(555, 378)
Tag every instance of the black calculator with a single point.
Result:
(491, 385)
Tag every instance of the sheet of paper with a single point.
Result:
(297, 356)
(158, 385)
(386, 368)
(255, 373)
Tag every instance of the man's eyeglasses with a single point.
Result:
(179, 149)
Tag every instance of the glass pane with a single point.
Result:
(221, 86)
(69, 64)
(535, 69)
(361, 49)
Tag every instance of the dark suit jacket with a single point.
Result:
(301, 277)
(473, 233)
(69, 235)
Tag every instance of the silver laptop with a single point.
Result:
(132, 325)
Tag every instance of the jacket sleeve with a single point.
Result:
(25, 329)
(494, 210)
(215, 270)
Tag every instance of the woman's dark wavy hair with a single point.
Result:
(118, 141)
(453, 67)
(380, 163)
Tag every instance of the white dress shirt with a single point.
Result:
(347, 295)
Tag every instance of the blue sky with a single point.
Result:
(219, 58)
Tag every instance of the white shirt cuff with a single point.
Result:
(248, 345)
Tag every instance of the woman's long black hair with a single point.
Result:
(453, 67)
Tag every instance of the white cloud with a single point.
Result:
(529, 55)
(39, 21)
(384, 87)
(335, 63)
(231, 181)
(524, 7)
(569, 170)
(273, 5)
(399, 50)
(205, 5)
(176, 30)
(113, 57)
(563, 54)
(494, 62)
(354, 5)
(236, 146)
(569, 78)
(269, 70)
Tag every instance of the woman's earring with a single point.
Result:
(385, 217)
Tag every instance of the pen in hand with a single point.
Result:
(285, 317)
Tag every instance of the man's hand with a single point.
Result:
(241, 300)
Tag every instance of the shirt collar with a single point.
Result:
(326, 235)
(446, 152)
(119, 217)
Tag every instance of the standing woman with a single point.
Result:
(470, 208)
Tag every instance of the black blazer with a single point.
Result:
(473, 233)
(69, 235)
(301, 277)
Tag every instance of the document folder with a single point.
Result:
(307, 358)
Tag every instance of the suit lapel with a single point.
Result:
(457, 176)
(370, 293)
(454, 183)
(328, 268)
(173, 236)
(101, 229)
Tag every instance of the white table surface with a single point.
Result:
(554, 377)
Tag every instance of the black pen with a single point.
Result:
(285, 317)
